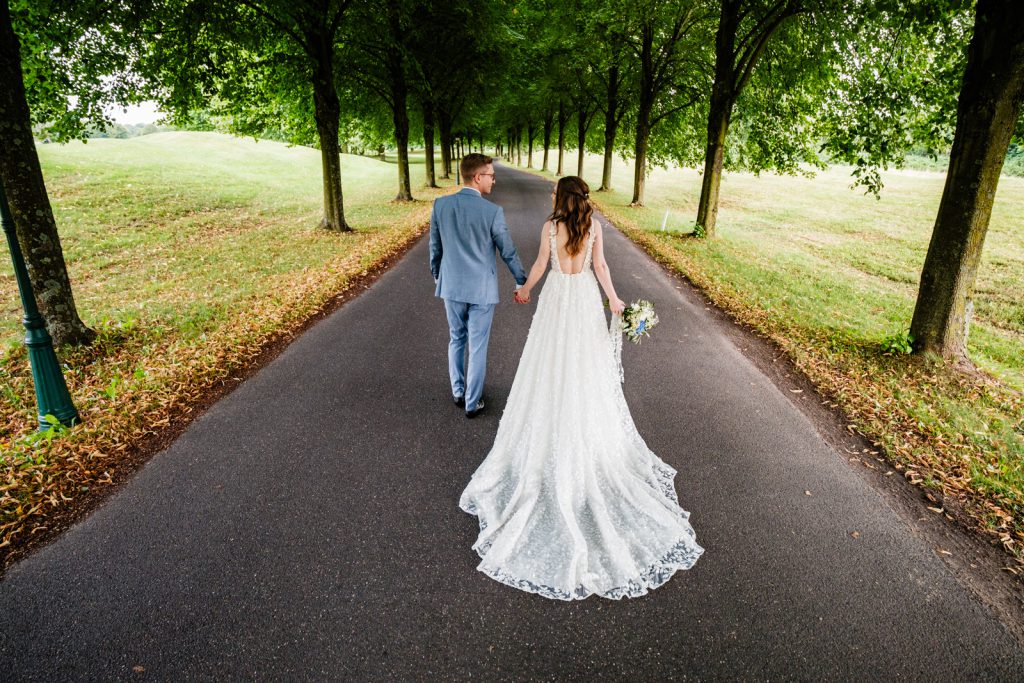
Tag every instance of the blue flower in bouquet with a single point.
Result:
(638, 319)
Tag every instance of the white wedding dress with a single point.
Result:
(570, 500)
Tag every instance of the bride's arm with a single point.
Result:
(604, 275)
(540, 266)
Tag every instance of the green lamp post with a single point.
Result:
(51, 391)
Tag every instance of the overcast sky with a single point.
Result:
(139, 113)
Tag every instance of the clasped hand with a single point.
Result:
(521, 296)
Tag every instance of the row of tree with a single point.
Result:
(782, 85)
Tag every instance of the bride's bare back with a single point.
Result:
(570, 264)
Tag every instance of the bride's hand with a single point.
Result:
(522, 296)
(617, 306)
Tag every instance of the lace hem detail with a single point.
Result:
(683, 554)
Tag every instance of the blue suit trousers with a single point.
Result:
(470, 328)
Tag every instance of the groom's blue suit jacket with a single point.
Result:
(465, 229)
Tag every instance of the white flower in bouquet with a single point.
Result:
(638, 319)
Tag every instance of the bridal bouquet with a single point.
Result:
(638, 319)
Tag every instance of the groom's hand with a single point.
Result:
(521, 297)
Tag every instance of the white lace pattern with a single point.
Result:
(570, 500)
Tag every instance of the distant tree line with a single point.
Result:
(123, 131)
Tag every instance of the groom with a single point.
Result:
(465, 229)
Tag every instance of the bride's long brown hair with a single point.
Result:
(572, 208)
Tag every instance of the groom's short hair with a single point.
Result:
(472, 163)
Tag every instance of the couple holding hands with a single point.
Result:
(570, 500)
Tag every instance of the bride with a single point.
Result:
(570, 500)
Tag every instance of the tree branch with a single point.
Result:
(756, 29)
(665, 114)
(373, 85)
(745, 67)
(668, 48)
(332, 29)
(281, 25)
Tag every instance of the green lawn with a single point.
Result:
(181, 228)
(838, 246)
(188, 252)
(830, 274)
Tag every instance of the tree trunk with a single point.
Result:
(444, 140)
(722, 98)
(643, 134)
(399, 102)
(611, 126)
(326, 114)
(990, 102)
(519, 146)
(428, 144)
(718, 128)
(22, 179)
(583, 123)
(643, 115)
(562, 120)
(549, 121)
(530, 134)
(401, 118)
(731, 77)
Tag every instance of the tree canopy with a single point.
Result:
(761, 85)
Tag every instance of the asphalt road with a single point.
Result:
(306, 527)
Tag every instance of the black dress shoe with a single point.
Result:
(476, 411)
(459, 400)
